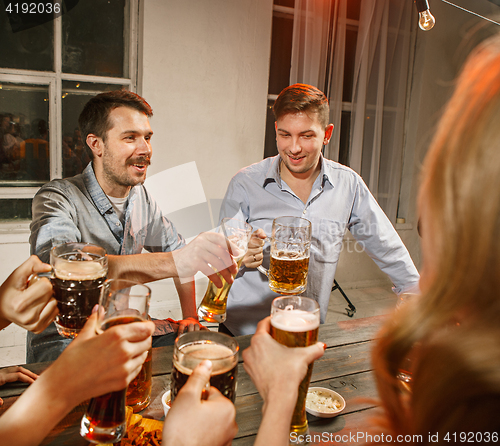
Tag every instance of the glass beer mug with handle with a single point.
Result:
(295, 323)
(237, 234)
(121, 302)
(290, 250)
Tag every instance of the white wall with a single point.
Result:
(205, 73)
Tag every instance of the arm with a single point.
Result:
(103, 363)
(376, 234)
(191, 418)
(277, 371)
(33, 307)
(208, 251)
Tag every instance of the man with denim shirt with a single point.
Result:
(109, 206)
(300, 182)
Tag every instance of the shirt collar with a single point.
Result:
(98, 196)
(273, 173)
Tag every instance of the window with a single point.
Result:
(48, 71)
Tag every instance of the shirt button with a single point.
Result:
(117, 224)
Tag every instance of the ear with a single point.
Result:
(276, 127)
(328, 133)
(96, 144)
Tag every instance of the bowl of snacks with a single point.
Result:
(166, 402)
(324, 403)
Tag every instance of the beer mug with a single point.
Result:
(295, 323)
(289, 261)
(121, 302)
(193, 347)
(237, 234)
(78, 272)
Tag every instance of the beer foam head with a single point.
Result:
(222, 357)
(79, 270)
(295, 320)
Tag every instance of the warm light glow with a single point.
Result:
(426, 20)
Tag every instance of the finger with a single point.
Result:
(29, 373)
(135, 331)
(1, 402)
(313, 352)
(31, 266)
(21, 377)
(198, 379)
(89, 329)
(48, 314)
(264, 326)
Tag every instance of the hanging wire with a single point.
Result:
(471, 12)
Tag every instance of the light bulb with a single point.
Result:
(426, 20)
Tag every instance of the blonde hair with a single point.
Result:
(460, 203)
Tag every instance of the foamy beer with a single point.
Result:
(213, 305)
(193, 347)
(121, 302)
(289, 261)
(295, 323)
(78, 272)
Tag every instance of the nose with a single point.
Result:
(144, 147)
(294, 147)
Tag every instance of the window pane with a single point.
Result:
(353, 8)
(24, 135)
(350, 58)
(281, 53)
(15, 209)
(75, 95)
(96, 43)
(289, 3)
(270, 140)
(24, 47)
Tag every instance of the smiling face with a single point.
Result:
(121, 160)
(300, 138)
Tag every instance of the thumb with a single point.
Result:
(198, 379)
(314, 352)
(89, 329)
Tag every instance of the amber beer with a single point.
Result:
(121, 302)
(104, 421)
(213, 305)
(139, 390)
(288, 272)
(237, 234)
(79, 270)
(295, 323)
(192, 348)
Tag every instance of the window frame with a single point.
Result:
(54, 80)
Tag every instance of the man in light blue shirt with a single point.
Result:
(300, 182)
(109, 206)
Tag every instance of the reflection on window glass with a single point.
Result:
(75, 96)
(281, 53)
(96, 43)
(15, 208)
(24, 135)
(26, 49)
(270, 141)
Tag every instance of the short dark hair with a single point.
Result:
(94, 117)
(302, 98)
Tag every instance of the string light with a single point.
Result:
(426, 20)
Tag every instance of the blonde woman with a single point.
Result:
(456, 322)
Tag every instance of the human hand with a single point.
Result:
(16, 373)
(31, 307)
(254, 256)
(93, 365)
(207, 253)
(275, 369)
(190, 324)
(191, 420)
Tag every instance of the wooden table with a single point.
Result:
(345, 367)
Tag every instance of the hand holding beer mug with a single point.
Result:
(78, 272)
(121, 302)
(237, 234)
(289, 262)
(191, 348)
(295, 323)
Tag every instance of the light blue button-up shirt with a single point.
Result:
(76, 209)
(339, 200)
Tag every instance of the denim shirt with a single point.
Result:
(339, 200)
(76, 209)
